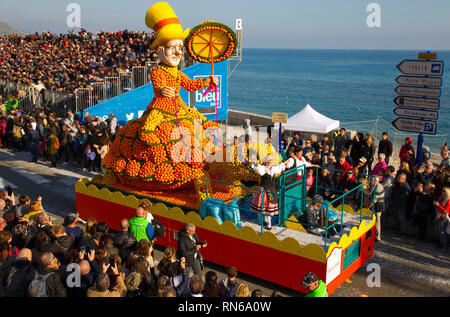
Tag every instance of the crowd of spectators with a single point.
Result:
(60, 138)
(42, 258)
(401, 196)
(69, 61)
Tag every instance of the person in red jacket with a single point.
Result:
(346, 178)
(443, 211)
(407, 147)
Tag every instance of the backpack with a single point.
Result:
(38, 286)
(159, 227)
(16, 282)
(56, 142)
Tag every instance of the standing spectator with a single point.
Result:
(89, 158)
(52, 146)
(424, 209)
(113, 125)
(212, 287)
(382, 164)
(180, 280)
(140, 227)
(242, 290)
(379, 206)
(385, 147)
(16, 282)
(297, 140)
(196, 286)
(407, 147)
(102, 285)
(189, 246)
(315, 287)
(442, 214)
(368, 151)
(48, 272)
(399, 201)
(70, 226)
(356, 152)
(445, 157)
(229, 285)
(341, 142)
(33, 141)
(124, 241)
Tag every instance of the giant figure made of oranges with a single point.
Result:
(151, 153)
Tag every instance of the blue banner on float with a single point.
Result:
(131, 105)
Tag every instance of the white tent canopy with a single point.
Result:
(309, 120)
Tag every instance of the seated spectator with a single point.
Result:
(229, 285)
(48, 272)
(212, 287)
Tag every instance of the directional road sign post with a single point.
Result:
(419, 96)
(419, 81)
(415, 125)
(418, 67)
(416, 113)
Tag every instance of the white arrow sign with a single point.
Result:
(414, 125)
(418, 67)
(415, 102)
(418, 91)
(419, 81)
(415, 113)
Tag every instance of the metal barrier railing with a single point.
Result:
(283, 215)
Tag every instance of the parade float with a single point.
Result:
(166, 158)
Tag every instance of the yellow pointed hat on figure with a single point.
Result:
(163, 20)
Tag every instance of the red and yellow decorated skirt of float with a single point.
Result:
(263, 256)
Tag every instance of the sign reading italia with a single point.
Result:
(418, 67)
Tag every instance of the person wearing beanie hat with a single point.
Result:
(407, 147)
(315, 287)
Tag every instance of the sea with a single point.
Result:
(353, 86)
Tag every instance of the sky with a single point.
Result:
(294, 24)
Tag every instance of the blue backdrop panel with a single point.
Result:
(131, 105)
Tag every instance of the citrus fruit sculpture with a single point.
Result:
(166, 148)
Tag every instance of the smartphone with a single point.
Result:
(106, 261)
(83, 249)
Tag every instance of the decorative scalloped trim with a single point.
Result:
(289, 245)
